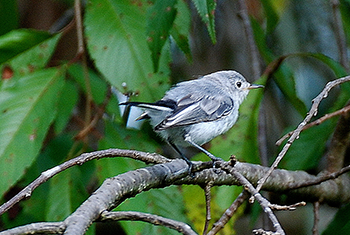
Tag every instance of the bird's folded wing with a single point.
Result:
(191, 110)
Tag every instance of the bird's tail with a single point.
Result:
(159, 106)
(162, 105)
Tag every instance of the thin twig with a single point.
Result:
(98, 116)
(320, 179)
(316, 122)
(313, 111)
(81, 52)
(37, 228)
(316, 218)
(287, 208)
(149, 218)
(229, 213)
(265, 204)
(46, 175)
(207, 189)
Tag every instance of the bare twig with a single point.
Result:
(313, 111)
(98, 116)
(229, 213)
(46, 175)
(316, 218)
(37, 228)
(149, 218)
(207, 189)
(321, 178)
(265, 204)
(263, 232)
(81, 52)
(287, 208)
(80, 28)
(317, 122)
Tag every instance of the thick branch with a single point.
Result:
(117, 189)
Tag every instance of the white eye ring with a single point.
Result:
(239, 84)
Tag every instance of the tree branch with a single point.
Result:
(265, 204)
(46, 175)
(313, 111)
(117, 189)
(229, 213)
(149, 218)
(37, 228)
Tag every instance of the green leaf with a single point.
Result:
(160, 19)
(305, 152)
(272, 17)
(181, 28)
(165, 202)
(66, 104)
(341, 223)
(120, 50)
(241, 140)
(283, 76)
(206, 10)
(221, 198)
(59, 201)
(116, 136)
(23, 51)
(97, 84)
(8, 14)
(27, 108)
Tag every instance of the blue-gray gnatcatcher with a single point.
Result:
(194, 112)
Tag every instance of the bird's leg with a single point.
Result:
(212, 157)
(190, 165)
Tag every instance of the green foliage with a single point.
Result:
(206, 9)
(8, 14)
(340, 223)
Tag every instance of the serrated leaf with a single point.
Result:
(27, 108)
(24, 51)
(206, 10)
(120, 50)
(160, 18)
(181, 28)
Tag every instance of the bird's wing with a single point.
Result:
(191, 110)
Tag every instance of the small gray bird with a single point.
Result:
(194, 112)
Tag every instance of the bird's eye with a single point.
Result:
(238, 84)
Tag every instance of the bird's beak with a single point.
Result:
(254, 86)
